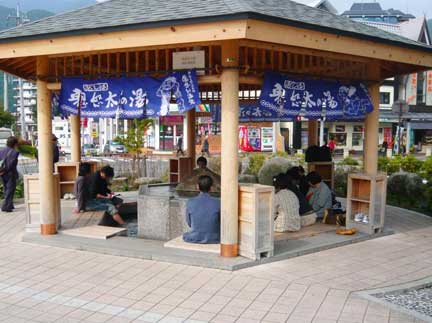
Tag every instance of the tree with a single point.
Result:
(134, 140)
(6, 119)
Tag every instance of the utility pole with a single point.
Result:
(5, 92)
(19, 20)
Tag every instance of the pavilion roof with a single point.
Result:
(116, 15)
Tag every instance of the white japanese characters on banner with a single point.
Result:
(285, 97)
(129, 98)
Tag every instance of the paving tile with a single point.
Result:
(221, 318)
(150, 317)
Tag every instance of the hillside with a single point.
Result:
(55, 6)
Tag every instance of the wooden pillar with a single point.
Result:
(312, 133)
(75, 138)
(371, 133)
(48, 190)
(190, 119)
(229, 169)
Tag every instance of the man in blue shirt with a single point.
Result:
(203, 215)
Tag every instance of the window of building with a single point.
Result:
(421, 88)
(357, 138)
(339, 138)
(385, 98)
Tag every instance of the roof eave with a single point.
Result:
(236, 16)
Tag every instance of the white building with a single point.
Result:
(29, 100)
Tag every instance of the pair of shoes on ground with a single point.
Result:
(7, 211)
(69, 196)
(361, 218)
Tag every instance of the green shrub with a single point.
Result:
(271, 168)
(349, 161)
(27, 150)
(248, 178)
(279, 154)
(19, 191)
(426, 169)
(410, 164)
(256, 161)
(407, 189)
(383, 164)
(341, 182)
(394, 164)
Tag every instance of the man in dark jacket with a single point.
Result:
(9, 172)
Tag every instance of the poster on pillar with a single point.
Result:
(283, 96)
(129, 98)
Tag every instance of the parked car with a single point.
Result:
(114, 147)
(5, 133)
(89, 150)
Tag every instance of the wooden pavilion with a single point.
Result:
(241, 40)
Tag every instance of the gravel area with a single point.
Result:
(419, 300)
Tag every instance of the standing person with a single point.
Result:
(180, 146)
(206, 146)
(81, 188)
(56, 150)
(9, 172)
(332, 145)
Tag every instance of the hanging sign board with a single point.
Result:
(411, 90)
(429, 88)
(189, 60)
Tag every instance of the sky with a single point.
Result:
(415, 7)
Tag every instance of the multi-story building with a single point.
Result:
(29, 102)
(415, 89)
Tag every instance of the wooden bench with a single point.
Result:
(83, 219)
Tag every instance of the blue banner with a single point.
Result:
(129, 98)
(287, 98)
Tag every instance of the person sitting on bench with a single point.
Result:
(203, 215)
(101, 197)
(319, 195)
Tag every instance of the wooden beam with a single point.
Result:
(161, 36)
(317, 40)
(202, 80)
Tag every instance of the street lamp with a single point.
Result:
(400, 107)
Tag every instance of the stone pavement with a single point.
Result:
(47, 284)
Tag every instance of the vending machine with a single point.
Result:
(267, 139)
(249, 138)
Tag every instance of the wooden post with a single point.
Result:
(312, 133)
(370, 145)
(371, 133)
(230, 122)
(75, 138)
(48, 204)
(190, 119)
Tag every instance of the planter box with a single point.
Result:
(256, 221)
(68, 173)
(32, 196)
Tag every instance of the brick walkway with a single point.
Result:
(46, 284)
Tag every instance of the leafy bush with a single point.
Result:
(256, 161)
(394, 164)
(341, 182)
(19, 191)
(406, 188)
(410, 164)
(349, 161)
(27, 150)
(426, 169)
(271, 168)
(383, 164)
(279, 154)
(247, 178)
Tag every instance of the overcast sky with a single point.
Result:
(415, 7)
